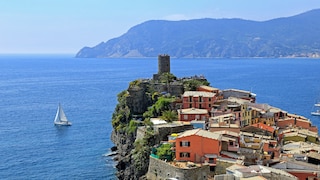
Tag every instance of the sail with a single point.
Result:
(60, 115)
(63, 117)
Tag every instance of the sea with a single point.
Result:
(32, 86)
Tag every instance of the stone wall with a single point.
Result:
(164, 130)
(222, 166)
(159, 169)
(137, 100)
(174, 88)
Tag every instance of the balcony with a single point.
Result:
(233, 148)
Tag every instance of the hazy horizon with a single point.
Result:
(64, 27)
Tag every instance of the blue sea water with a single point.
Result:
(31, 86)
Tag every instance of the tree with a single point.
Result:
(165, 152)
(169, 115)
(167, 77)
(191, 85)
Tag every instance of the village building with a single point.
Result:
(191, 114)
(247, 95)
(198, 99)
(258, 171)
(213, 127)
(198, 146)
(302, 170)
(298, 135)
(260, 128)
(230, 141)
(293, 120)
(209, 89)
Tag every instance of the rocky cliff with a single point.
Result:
(135, 107)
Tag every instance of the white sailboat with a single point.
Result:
(317, 111)
(61, 118)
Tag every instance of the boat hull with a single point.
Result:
(315, 113)
(63, 123)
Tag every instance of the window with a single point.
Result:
(209, 99)
(185, 144)
(190, 105)
(197, 116)
(185, 117)
(190, 98)
(200, 98)
(212, 161)
(184, 154)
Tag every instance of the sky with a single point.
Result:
(65, 26)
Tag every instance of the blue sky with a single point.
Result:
(65, 26)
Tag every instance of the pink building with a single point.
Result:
(191, 114)
(198, 99)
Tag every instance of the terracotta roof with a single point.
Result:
(264, 127)
(200, 132)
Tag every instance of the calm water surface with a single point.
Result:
(31, 87)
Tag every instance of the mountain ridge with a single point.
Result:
(295, 36)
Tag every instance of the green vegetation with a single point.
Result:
(162, 104)
(134, 83)
(165, 152)
(133, 125)
(169, 116)
(122, 114)
(142, 150)
(167, 77)
(191, 85)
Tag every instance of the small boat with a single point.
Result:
(61, 118)
(317, 112)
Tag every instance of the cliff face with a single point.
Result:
(132, 162)
(124, 144)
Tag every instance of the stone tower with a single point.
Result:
(163, 64)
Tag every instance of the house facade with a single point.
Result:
(191, 114)
(198, 146)
(198, 99)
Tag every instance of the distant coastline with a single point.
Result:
(291, 37)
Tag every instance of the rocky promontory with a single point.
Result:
(145, 98)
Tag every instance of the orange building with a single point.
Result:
(198, 146)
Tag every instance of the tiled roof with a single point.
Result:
(237, 100)
(198, 93)
(314, 155)
(231, 133)
(208, 88)
(193, 111)
(264, 127)
(202, 133)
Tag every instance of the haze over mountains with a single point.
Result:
(295, 36)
